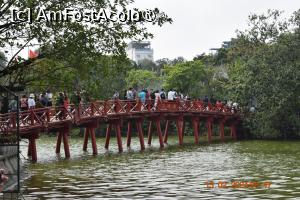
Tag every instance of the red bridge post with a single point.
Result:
(86, 138)
(119, 137)
(32, 146)
(221, 125)
(195, 122)
(166, 132)
(150, 132)
(158, 130)
(140, 133)
(63, 134)
(117, 127)
(233, 131)
(179, 124)
(66, 142)
(160, 137)
(128, 133)
(93, 138)
(58, 142)
(29, 153)
(107, 136)
(33, 150)
(209, 128)
(183, 129)
(90, 132)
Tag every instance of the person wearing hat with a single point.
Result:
(31, 101)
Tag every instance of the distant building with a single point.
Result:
(138, 51)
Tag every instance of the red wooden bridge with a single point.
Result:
(113, 113)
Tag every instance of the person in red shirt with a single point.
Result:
(23, 103)
(66, 102)
(219, 105)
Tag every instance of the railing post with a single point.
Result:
(92, 109)
(13, 119)
(104, 109)
(78, 111)
(31, 117)
(48, 114)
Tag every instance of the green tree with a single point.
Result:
(147, 65)
(141, 79)
(191, 77)
(72, 42)
(265, 67)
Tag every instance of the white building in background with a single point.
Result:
(138, 51)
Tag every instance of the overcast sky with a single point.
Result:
(203, 24)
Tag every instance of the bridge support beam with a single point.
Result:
(119, 137)
(66, 143)
(221, 126)
(150, 132)
(140, 133)
(179, 124)
(195, 122)
(93, 138)
(209, 128)
(29, 153)
(183, 129)
(129, 134)
(90, 132)
(86, 139)
(180, 128)
(117, 126)
(233, 131)
(63, 135)
(166, 132)
(33, 150)
(161, 143)
(158, 130)
(107, 136)
(58, 142)
(32, 146)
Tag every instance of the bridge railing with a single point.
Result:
(48, 115)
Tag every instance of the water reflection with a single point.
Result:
(172, 173)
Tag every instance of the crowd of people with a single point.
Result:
(150, 94)
(47, 99)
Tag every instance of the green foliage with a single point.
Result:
(99, 79)
(49, 74)
(73, 43)
(141, 79)
(192, 78)
(266, 68)
(147, 65)
(106, 76)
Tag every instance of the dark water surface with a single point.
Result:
(172, 173)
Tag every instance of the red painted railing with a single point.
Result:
(44, 117)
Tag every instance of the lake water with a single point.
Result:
(174, 172)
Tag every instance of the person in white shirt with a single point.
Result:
(171, 94)
(129, 94)
(31, 101)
